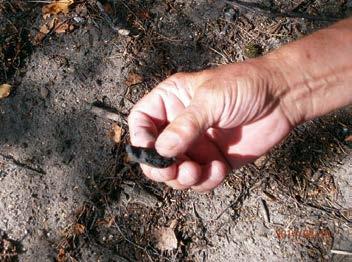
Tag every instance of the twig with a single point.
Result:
(131, 242)
(107, 114)
(227, 60)
(265, 210)
(234, 203)
(117, 28)
(136, 16)
(341, 252)
(254, 7)
(22, 165)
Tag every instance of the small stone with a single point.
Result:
(166, 239)
(44, 92)
(230, 15)
(260, 162)
(2, 174)
(5, 90)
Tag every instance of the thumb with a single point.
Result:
(183, 131)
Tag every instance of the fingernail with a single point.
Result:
(166, 142)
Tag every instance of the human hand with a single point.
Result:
(213, 121)
(221, 119)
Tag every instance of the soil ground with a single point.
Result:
(67, 193)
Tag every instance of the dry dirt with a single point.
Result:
(67, 192)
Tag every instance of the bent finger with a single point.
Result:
(174, 184)
(189, 173)
(160, 174)
(214, 174)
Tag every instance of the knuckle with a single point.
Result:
(189, 123)
(176, 80)
(179, 76)
(131, 117)
(134, 117)
(218, 176)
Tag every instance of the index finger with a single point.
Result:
(154, 111)
(145, 118)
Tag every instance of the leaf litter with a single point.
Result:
(56, 7)
(116, 133)
(167, 230)
(53, 21)
(166, 239)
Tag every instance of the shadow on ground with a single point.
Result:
(45, 124)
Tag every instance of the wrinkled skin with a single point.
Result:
(220, 120)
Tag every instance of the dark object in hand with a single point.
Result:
(148, 156)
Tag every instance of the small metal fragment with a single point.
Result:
(148, 156)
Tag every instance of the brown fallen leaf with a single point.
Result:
(63, 28)
(166, 239)
(107, 222)
(61, 256)
(144, 15)
(79, 229)
(133, 79)
(348, 139)
(56, 7)
(52, 24)
(116, 133)
(5, 90)
(44, 30)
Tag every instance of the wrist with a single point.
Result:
(289, 91)
(315, 73)
(276, 73)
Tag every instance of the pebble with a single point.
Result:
(230, 15)
(44, 92)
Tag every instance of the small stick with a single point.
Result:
(107, 114)
(265, 210)
(22, 165)
(117, 28)
(232, 204)
(341, 252)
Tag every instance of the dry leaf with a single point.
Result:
(63, 28)
(52, 24)
(107, 222)
(44, 30)
(143, 15)
(116, 133)
(133, 79)
(79, 229)
(60, 6)
(348, 139)
(61, 256)
(166, 239)
(5, 90)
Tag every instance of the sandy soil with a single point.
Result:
(69, 195)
